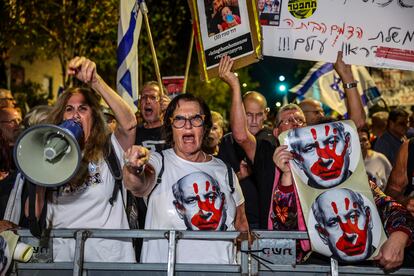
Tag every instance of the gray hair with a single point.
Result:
(287, 107)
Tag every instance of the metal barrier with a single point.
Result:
(279, 246)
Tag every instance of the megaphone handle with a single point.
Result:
(34, 225)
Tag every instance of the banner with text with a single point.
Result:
(373, 33)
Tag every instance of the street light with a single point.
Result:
(281, 87)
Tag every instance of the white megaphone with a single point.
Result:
(49, 155)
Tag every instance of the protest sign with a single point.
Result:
(225, 27)
(334, 193)
(173, 84)
(372, 33)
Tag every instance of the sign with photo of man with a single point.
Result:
(225, 27)
(334, 193)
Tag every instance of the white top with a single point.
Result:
(89, 207)
(378, 167)
(206, 203)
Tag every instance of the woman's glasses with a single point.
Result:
(180, 121)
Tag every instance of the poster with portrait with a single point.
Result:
(225, 27)
(269, 12)
(332, 184)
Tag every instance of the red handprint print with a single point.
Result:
(208, 217)
(353, 241)
(329, 164)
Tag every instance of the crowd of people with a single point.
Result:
(183, 170)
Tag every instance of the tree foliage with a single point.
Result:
(68, 28)
(63, 29)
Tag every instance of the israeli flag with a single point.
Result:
(129, 28)
(322, 83)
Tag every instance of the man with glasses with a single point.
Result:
(10, 120)
(390, 142)
(6, 98)
(152, 103)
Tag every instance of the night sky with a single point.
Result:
(268, 70)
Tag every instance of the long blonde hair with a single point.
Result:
(95, 148)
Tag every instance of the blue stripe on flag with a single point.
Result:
(128, 39)
(126, 82)
(325, 68)
(364, 99)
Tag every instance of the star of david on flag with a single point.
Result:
(322, 83)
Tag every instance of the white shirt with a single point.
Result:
(89, 207)
(163, 214)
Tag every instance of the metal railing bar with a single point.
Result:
(297, 235)
(152, 234)
(130, 266)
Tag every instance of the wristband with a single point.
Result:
(350, 85)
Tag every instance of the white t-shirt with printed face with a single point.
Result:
(191, 196)
(89, 207)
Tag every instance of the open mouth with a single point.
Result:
(188, 138)
(147, 111)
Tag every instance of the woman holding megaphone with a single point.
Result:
(83, 201)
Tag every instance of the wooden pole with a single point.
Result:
(187, 66)
(144, 11)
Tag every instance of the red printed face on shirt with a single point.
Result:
(199, 202)
(344, 224)
(322, 151)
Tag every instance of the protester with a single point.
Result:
(109, 117)
(378, 125)
(84, 201)
(194, 191)
(7, 175)
(10, 121)
(256, 109)
(215, 135)
(257, 112)
(14, 192)
(37, 115)
(313, 111)
(410, 131)
(397, 126)
(376, 164)
(153, 104)
(400, 183)
(6, 99)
